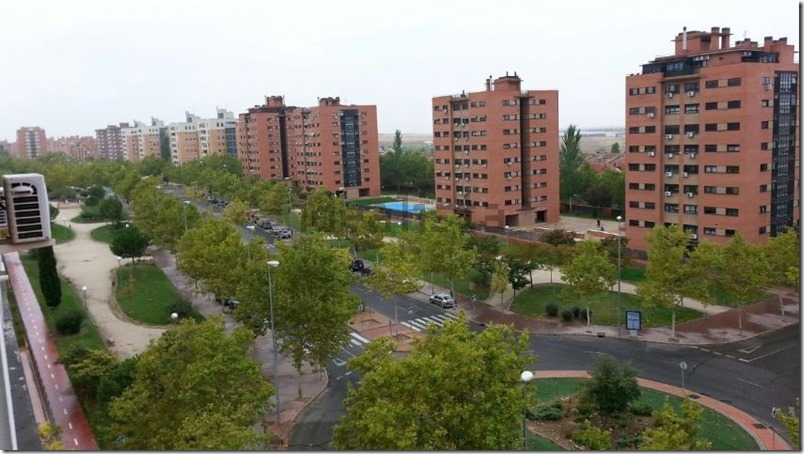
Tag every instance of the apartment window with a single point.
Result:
(633, 111)
(732, 212)
(650, 109)
(732, 169)
(765, 125)
(763, 146)
(633, 91)
(709, 231)
(633, 223)
(691, 86)
(763, 209)
(633, 130)
(650, 206)
(633, 148)
(763, 230)
(763, 167)
(650, 224)
(765, 103)
(650, 129)
(730, 232)
(710, 127)
(732, 148)
(735, 82)
(650, 90)
(650, 187)
(692, 128)
(711, 106)
(671, 129)
(633, 167)
(650, 167)
(766, 81)
(733, 104)
(634, 186)
(732, 126)
(710, 210)
(710, 190)
(710, 147)
(763, 188)
(672, 110)
(710, 169)
(633, 204)
(671, 208)
(691, 209)
(671, 88)
(710, 84)
(691, 108)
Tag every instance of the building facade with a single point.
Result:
(712, 142)
(330, 145)
(198, 137)
(142, 140)
(31, 142)
(110, 141)
(496, 154)
(77, 147)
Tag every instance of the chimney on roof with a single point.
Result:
(768, 43)
(488, 84)
(714, 43)
(724, 38)
(684, 39)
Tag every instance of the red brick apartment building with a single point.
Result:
(331, 145)
(31, 142)
(110, 142)
(712, 140)
(496, 154)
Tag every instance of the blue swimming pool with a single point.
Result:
(406, 207)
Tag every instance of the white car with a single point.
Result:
(443, 299)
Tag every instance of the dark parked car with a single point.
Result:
(357, 265)
(264, 224)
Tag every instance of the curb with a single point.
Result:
(312, 399)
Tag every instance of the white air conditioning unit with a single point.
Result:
(27, 209)
(694, 236)
(768, 86)
(690, 94)
(651, 115)
(460, 192)
(670, 155)
(668, 193)
(651, 153)
(686, 175)
(690, 195)
(692, 155)
(668, 136)
(690, 134)
(669, 174)
(670, 94)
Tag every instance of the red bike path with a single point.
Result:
(59, 398)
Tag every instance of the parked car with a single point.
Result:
(357, 265)
(283, 233)
(443, 299)
(264, 224)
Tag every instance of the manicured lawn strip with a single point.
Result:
(537, 443)
(633, 274)
(724, 433)
(61, 233)
(149, 297)
(70, 299)
(533, 301)
(103, 233)
(461, 285)
(374, 201)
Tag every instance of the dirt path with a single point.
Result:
(85, 262)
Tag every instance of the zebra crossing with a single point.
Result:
(420, 324)
(357, 340)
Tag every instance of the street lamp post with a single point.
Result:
(250, 229)
(273, 264)
(186, 202)
(525, 377)
(619, 272)
(84, 296)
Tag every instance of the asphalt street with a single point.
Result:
(752, 375)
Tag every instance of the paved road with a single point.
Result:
(753, 375)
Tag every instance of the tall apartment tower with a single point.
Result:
(496, 154)
(142, 140)
(31, 142)
(712, 140)
(330, 145)
(200, 137)
(110, 141)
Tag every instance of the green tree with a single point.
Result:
(194, 388)
(129, 242)
(782, 254)
(615, 148)
(612, 386)
(592, 438)
(614, 182)
(674, 273)
(499, 278)
(672, 432)
(87, 368)
(49, 281)
(213, 254)
(111, 209)
(588, 274)
(744, 283)
(235, 212)
(443, 247)
(456, 390)
(363, 229)
(487, 249)
(50, 434)
(398, 273)
(323, 212)
(518, 270)
(570, 159)
(792, 422)
(609, 247)
(558, 236)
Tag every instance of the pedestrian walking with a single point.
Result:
(599, 226)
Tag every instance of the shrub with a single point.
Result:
(566, 314)
(576, 311)
(629, 442)
(592, 438)
(641, 409)
(547, 412)
(551, 310)
(612, 386)
(69, 321)
(584, 314)
(181, 307)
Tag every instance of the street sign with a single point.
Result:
(474, 298)
(410, 311)
(633, 320)
(683, 365)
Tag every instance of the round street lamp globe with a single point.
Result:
(174, 316)
(526, 376)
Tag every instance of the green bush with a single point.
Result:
(547, 412)
(592, 438)
(566, 315)
(576, 311)
(584, 315)
(551, 310)
(181, 307)
(629, 443)
(69, 321)
(640, 409)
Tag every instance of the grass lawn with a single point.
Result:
(633, 274)
(461, 285)
(70, 299)
(103, 234)
(373, 201)
(724, 434)
(61, 233)
(146, 295)
(533, 301)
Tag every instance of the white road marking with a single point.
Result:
(748, 350)
(354, 342)
(64, 410)
(749, 382)
(718, 353)
(422, 326)
(70, 425)
(428, 319)
(338, 362)
(360, 338)
(409, 326)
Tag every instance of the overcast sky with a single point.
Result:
(73, 66)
